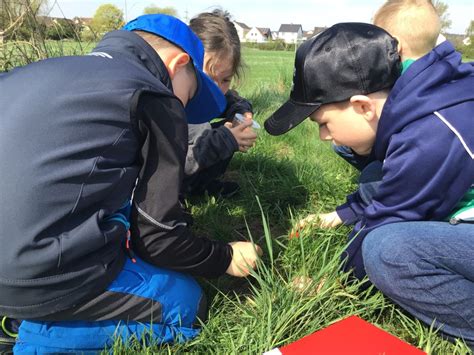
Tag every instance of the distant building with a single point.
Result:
(82, 21)
(311, 33)
(290, 33)
(51, 21)
(455, 39)
(242, 30)
(258, 35)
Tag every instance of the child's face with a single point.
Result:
(184, 84)
(220, 69)
(344, 125)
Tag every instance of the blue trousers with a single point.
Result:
(428, 269)
(179, 296)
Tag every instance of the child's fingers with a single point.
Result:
(302, 224)
(248, 115)
(244, 125)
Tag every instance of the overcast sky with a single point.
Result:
(263, 13)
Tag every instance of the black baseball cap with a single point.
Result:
(345, 60)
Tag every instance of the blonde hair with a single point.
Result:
(414, 22)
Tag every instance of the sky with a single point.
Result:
(264, 13)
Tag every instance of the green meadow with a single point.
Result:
(283, 179)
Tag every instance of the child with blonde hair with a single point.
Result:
(414, 23)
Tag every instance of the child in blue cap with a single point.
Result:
(85, 135)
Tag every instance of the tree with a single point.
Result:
(152, 9)
(442, 10)
(470, 30)
(107, 18)
(19, 18)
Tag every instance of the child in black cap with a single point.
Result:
(348, 80)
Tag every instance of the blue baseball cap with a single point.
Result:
(209, 101)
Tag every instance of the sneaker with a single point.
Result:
(223, 189)
(8, 334)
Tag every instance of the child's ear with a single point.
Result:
(364, 105)
(399, 45)
(176, 63)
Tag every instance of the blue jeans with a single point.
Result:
(427, 268)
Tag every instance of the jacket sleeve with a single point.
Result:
(353, 210)
(159, 232)
(423, 180)
(236, 104)
(208, 145)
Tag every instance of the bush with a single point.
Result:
(61, 29)
(277, 45)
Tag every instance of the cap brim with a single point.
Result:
(208, 103)
(288, 116)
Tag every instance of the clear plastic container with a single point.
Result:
(239, 118)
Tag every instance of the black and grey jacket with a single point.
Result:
(78, 135)
(208, 145)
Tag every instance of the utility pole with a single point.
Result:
(125, 11)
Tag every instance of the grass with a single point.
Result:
(283, 179)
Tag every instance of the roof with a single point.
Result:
(243, 25)
(290, 28)
(314, 32)
(264, 31)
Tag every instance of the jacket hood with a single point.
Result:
(418, 92)
(130, 46)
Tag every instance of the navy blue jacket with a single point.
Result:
(78, 135)
(425, 139)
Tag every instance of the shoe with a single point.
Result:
(223, 189)
(8, 334)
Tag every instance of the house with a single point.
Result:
(311, 33)
(258, 35)
(455, 39)
(290, 33)
(82, 21)
(242, 30)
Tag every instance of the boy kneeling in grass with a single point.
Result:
(92, 152)
(420, 125)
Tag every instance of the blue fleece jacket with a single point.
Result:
(425, 138)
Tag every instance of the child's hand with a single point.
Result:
(329, 220)
(308, 221)
(322, 220)
(243, 133)
(244, 258)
